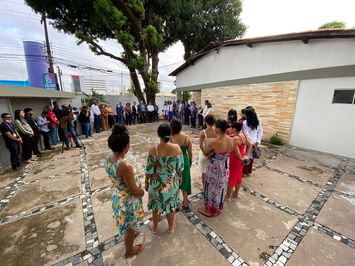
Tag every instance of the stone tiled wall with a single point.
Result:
(196, 97)
(273, 102)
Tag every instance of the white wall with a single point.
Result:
(320, 125)
(238, 62)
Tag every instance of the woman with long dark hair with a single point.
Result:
(253, 131)
(241, 147)
(127, 196)
(26, 133)
(216, 178)
(165, 165)
(185, 143)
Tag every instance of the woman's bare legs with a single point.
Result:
(170, 217)
(185, 200)
(131, 251)
(203, 182)
(156, 218)
(229, 193)
(236, 190)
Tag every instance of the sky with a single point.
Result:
(262, 17)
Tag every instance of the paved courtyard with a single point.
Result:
(296, 209)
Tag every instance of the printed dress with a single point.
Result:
(216, 182)
(127, 209)
(164, 182)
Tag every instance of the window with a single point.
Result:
(344, 96)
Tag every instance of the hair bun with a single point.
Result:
(166, 138)
(119, 129)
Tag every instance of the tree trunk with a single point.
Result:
(137, 86)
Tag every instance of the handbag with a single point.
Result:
(256, 152)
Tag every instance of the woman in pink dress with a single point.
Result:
(238, 158)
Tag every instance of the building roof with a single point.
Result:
(32, 92)
(301, 36)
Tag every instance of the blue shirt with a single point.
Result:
(41, 122)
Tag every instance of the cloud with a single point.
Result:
(18, 23)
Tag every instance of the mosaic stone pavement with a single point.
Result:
(297, 208)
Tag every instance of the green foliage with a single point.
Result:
(276, 139)
(197, 23)
(88, 99)
(130, 91)
(144, 28)
(152, 36)
(155, 86)
(186, 96)
(333, 25)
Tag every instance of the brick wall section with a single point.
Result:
(273, 102)
(196, 97)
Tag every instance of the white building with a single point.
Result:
(302, 85)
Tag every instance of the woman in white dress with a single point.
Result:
(254, 132)
(207, 109)
(206, 136)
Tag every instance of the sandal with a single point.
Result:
(140, 248)
(203, 211)
(235, 195)
(171, 231)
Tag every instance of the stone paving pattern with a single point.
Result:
(297, 208)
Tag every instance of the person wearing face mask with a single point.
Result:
(12, 140)
(33, 124)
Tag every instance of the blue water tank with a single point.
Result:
(36, 62)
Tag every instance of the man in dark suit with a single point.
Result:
(34, 126)
(12, 140)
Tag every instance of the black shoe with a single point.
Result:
(77, 145)
(39, 154)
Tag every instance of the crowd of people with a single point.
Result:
(228, 148)
(23, 133)
(59, 124)
(189, 113)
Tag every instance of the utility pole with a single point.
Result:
(122, 89)
(60, 78)
(49, 52)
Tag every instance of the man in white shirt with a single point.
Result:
(150, 109)
(96, 112)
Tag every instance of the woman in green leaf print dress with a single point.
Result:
(165, 164)
(185, 143)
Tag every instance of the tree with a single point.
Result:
(333, 25)
(144, 28)
(186, 96)
(93, 97)
(197, 23)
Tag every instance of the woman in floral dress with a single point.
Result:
(217, 175)
(127, 197)
(165, 164)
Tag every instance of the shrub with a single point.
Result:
(276, 139)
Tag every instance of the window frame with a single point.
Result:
(344, 89)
